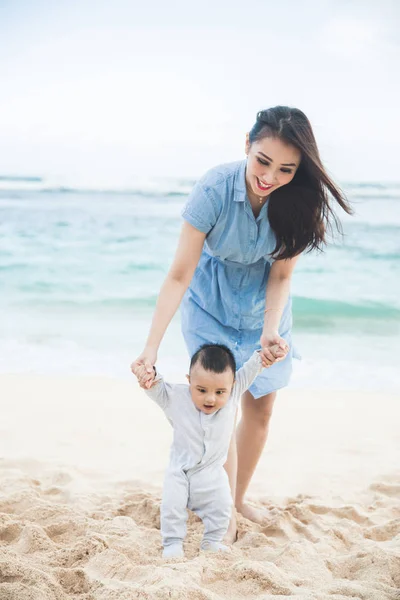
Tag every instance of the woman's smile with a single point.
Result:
(264, 187)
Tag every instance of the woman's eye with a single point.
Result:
(286, 171)
(263, 162)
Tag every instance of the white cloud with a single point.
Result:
(350, 38)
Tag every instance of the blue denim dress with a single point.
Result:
(225, 301)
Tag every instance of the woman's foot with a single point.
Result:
(231, 535)
(252, 513)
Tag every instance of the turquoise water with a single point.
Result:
(80, 271)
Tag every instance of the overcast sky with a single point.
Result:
(103, 92)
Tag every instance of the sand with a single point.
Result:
(81, 465)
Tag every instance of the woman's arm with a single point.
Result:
(187, 256)
(278, 288)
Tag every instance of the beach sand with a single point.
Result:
(81, 467)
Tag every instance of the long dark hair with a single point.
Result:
(300, 212)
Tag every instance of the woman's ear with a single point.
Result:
(188, 378)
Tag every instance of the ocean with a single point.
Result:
(80, 270)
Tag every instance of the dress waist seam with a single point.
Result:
(232, 263)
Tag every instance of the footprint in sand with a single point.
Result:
(251, 578)
(384, 533)
(19, 581)
(389, 489)
(33, 539)
(144, 509)
(73, 581)
(9, 532)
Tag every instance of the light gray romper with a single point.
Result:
(195, 477)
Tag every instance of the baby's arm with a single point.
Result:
(251, 368)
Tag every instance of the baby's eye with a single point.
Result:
(202, 391)
(219, 392)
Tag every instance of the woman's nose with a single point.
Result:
(269, 176)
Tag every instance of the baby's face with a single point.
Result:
(210, 391)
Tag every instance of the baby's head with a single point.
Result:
(211, 377)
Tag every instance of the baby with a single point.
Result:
(202, 415)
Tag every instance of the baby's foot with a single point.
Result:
(173, 551)
(214, 547)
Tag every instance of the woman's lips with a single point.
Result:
(264, 187)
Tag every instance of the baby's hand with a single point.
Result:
(143, 376)
(277, 352)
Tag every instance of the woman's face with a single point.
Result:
(271, 164)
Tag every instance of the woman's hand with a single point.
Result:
(142, 367)
(273, 348)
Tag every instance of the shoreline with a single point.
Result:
(109, 425)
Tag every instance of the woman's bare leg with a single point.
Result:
(231, 468)
(251, 435)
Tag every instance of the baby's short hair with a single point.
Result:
(214, 357)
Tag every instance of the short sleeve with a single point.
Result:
(202, 208)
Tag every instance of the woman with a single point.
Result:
(245, 225)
